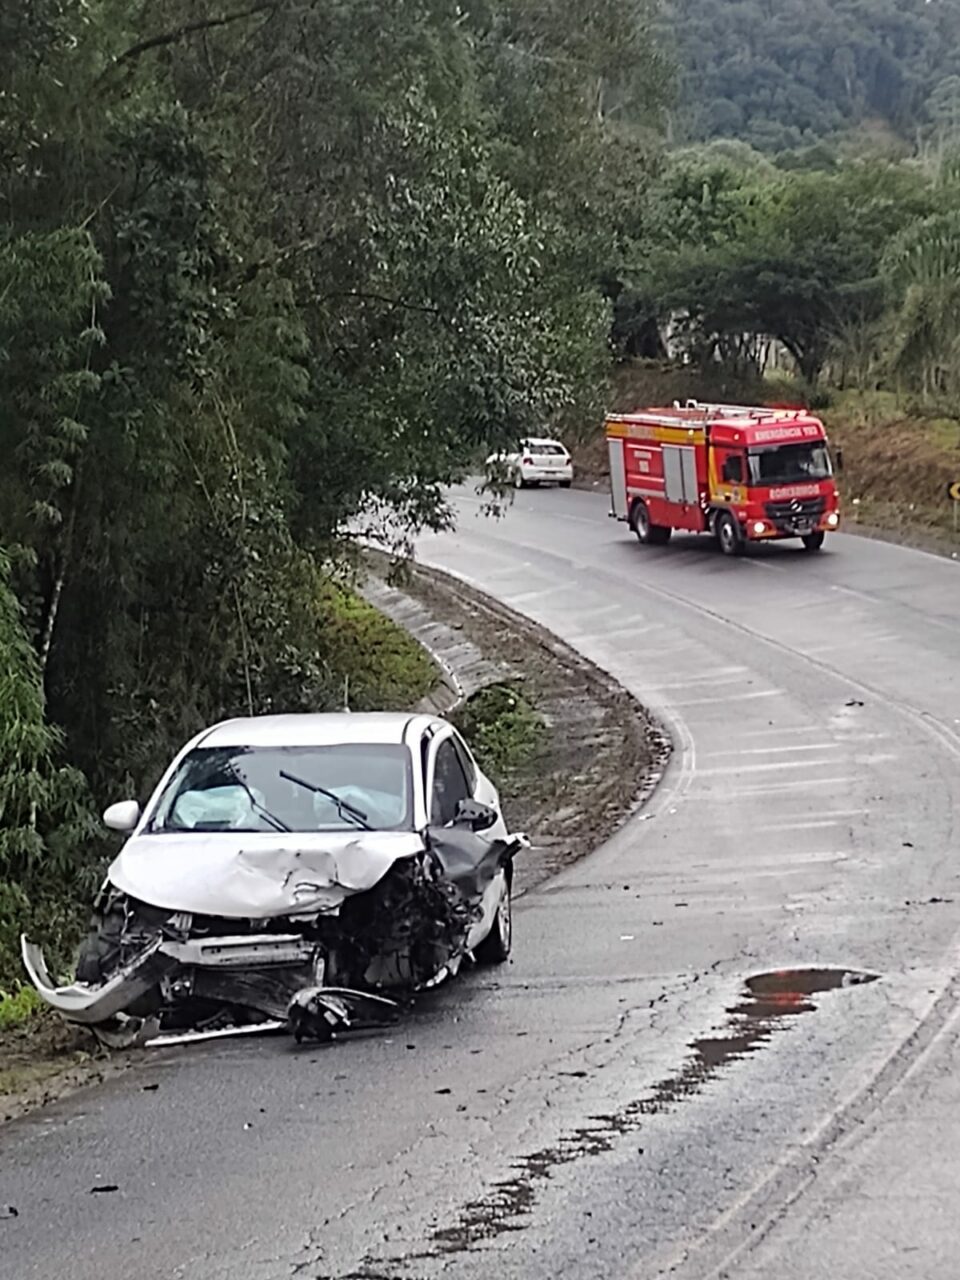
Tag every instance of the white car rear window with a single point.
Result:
(547, 450)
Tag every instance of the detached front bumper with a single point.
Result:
(91, 1006)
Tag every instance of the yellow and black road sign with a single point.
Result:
(953, 490)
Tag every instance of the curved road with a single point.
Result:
(612, 1105)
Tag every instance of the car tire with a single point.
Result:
(100, 950)
(813, 541)
(518, 480)
(729, 537)
(100, 955)
(496, 946)
(565, 484)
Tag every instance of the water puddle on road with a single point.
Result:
(767, 1004)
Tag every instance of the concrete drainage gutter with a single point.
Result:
(464, 670)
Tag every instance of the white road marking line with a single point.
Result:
(798, 826)
(528, 597)
(734, 770)
(736, 678)
(802, 785)
(734, 697)
(778, 730)
(774, 751)
(776, 788)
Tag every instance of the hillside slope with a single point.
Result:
(783, 73)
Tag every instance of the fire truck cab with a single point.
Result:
(741, 473)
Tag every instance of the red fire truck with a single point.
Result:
(743, 474)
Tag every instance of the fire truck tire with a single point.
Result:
(651, 535)
(813, 541)
(729, 537)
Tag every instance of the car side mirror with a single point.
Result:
(476, 816)
(838, 456)
(123, 816)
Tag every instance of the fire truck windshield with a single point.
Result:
(789, 463)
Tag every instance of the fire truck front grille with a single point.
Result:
(802, 512)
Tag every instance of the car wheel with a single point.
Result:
(565, 484)
(495, 948)
(518, 480)
(813, 541)
(728, 535)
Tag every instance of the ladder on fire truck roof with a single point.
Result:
(735, 410)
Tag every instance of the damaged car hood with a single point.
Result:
(254, 876)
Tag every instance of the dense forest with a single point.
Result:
(269, 271)
(275, 273)
(781, 74)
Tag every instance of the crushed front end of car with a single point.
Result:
(353, 933)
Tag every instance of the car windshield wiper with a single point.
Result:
(344, 807)
(277, 823)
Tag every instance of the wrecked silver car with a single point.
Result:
(312, 871)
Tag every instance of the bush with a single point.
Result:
(503, 729)
(376, 662)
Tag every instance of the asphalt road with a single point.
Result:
(610, 1106)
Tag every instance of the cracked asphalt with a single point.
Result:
(597, 1110)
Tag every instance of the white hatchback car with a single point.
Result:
(351, 854)
(538, 461)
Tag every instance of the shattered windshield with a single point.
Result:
(789, 463)
(356, 786)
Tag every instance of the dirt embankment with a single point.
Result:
(897, 470)
(570, 751)
(595, 752)
(897, 464)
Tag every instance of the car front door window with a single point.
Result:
(449, 785)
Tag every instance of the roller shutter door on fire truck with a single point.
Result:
(680, 474)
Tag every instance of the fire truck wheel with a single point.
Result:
(651, 535)
(813, 541)
(728, 535)
(640, 521)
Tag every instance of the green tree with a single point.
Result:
(270, 273)
(921, 269)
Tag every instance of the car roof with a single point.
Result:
(318, 729)
(543, 440)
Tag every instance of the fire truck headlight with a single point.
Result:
(759, 527)
(833, 519)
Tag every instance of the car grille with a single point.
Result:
(796, 511)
